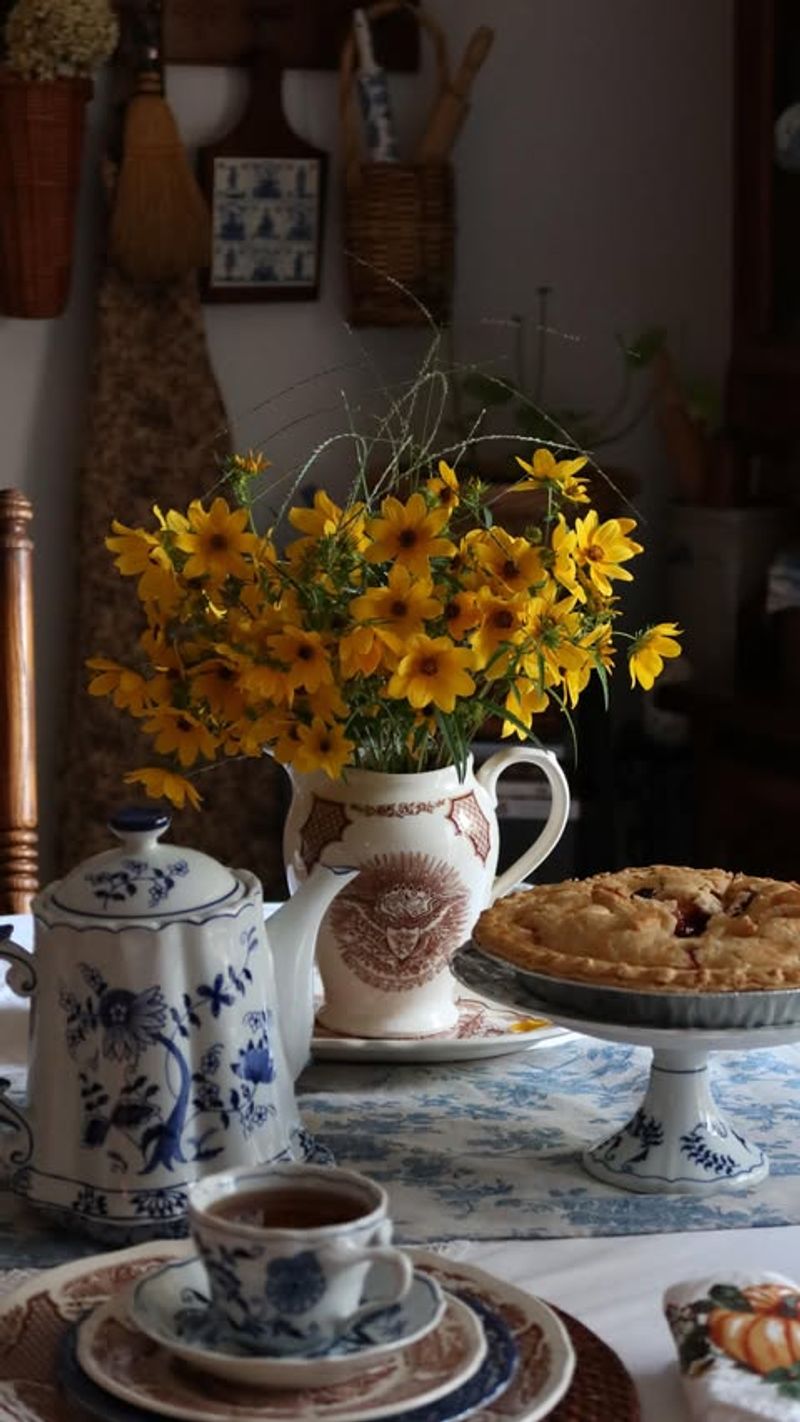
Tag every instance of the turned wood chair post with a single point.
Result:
(18, 796)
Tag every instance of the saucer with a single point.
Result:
(172, 1307)
(421, 1381)
(484, 1029)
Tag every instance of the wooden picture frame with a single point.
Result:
(267, 217)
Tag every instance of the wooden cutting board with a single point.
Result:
(266, 190)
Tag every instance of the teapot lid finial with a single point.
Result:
(142, 878)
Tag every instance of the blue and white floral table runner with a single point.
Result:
(491, 1149)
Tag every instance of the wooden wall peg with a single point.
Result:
(19, 861)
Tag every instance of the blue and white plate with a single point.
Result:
(114, 1372)
(172, 1306)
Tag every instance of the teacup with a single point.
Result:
(287, 1249)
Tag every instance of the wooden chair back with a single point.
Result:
(19, 862)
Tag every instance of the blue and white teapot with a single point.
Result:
(168, 1025)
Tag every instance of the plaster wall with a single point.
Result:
(596, 160)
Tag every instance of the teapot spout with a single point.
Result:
(292, 936)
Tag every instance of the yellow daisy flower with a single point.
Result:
(165, 785)
(525, 700)
(327, 703)
(361, 652)
(127, 689)
(250, 464)
(601, 547)
(323, 747)
(216, 682)
(445, 488)
(647, 652)
(179, 732)
(562, 567)
(400, 610)
(305, 657)
(433, 672)
(408, 534)
(514, 562)
(217, 543)
(553, 628)
(132, 547)
(503, 623)
(545, 470)
(461, 612)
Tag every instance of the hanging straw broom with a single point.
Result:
(160, 227)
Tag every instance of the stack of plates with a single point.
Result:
(460, 1341)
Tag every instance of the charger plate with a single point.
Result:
(35, 1322)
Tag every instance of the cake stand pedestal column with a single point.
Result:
(678, 1140)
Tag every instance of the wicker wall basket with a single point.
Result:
(399, 218)
(41, 145)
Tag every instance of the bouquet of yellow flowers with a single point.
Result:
(383, 636)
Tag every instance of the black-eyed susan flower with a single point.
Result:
(304, 657)
(513, 562)
(161, 784)
(461, 613)
(361, 652)
(408, 533)
(648, 650)
(600, 548)
(444, 487)
(503, 623)
(180, 733)
(217, 681)
(218, 542)
(434, 672)
(323, 747)
(399, 610)
(128, 689)
(525, 699)
(545, 471)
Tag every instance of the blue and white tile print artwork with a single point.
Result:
(265, 222)
(491, 1149)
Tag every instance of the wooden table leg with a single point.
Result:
(18, 796)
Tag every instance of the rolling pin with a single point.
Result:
(451, 106)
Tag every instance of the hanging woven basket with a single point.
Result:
(41, 144)
(399, 218)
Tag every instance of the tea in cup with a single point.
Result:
(287, 1250)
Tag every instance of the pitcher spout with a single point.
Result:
(292, 936)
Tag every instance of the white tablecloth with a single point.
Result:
(613, 1284)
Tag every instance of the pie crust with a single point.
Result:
(661, 928)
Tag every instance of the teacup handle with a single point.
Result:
(397, 1261)
(487, 775)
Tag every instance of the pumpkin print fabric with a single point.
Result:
(738, 1342)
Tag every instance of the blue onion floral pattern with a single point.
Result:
(295, 1283)
(159, 1113)
(119, 886)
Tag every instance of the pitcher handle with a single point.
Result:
(487, 775)
(21, 979)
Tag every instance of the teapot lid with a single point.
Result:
(141, 878)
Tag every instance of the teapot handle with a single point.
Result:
(22, 980)
(487, 775)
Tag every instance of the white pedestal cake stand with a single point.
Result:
(678, 1141)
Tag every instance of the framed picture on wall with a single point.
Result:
(266, 228)
(265, 187)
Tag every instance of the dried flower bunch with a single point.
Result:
(60, 39)
(384, 635)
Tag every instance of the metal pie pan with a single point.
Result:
(715, 1011)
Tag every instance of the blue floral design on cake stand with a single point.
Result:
(678, 1141)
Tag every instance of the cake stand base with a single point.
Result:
(678, 1142)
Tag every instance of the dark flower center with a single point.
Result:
(399, 608)
(218, 542)
(407, 538)
(184, 725)
(429, 666)
(305, 653)
(595, 553)
(503, 618)
(510, 569)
